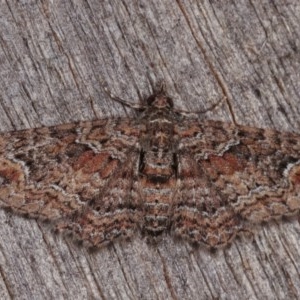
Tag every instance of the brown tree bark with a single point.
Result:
(54, 56)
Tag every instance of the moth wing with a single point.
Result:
(231, 177)
(52, 173)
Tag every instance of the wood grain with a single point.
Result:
(54, 56)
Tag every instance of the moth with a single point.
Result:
(162, 172)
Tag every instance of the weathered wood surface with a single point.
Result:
(53, 56)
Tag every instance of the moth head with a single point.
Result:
(160, 101)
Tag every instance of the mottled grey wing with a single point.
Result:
(71, 172)
(232, 176)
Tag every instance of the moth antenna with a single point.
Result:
(120, 100)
